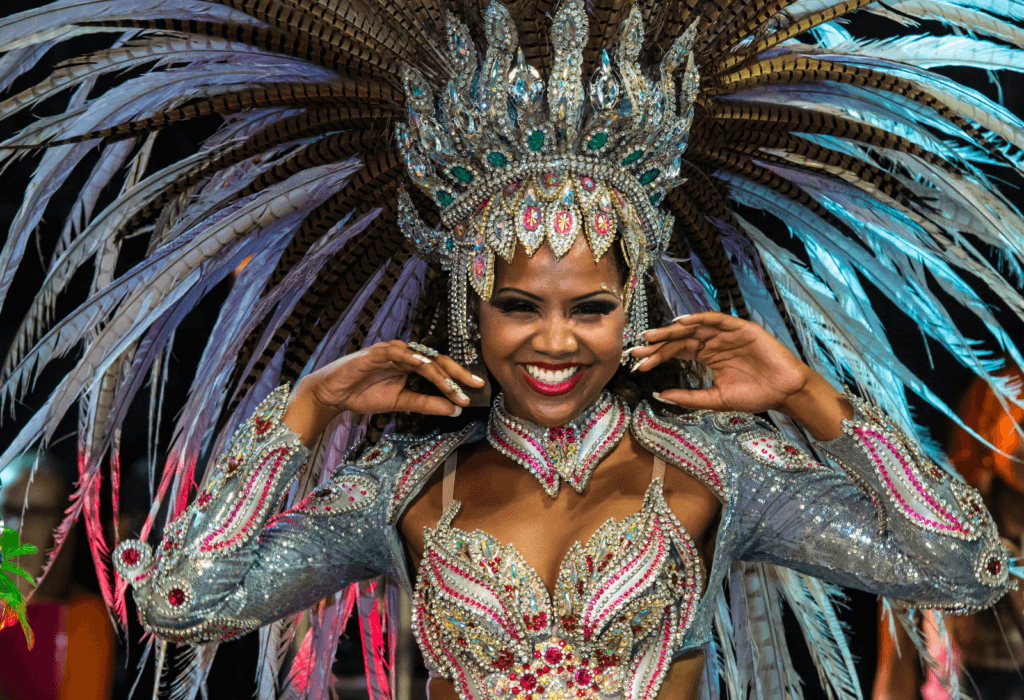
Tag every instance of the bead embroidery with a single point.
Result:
(569, 452)
(773, 450)
(342, 494)
(675, 446)
(622, 602)
(420, 461)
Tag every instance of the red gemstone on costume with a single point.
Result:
(618, 198)
(553, 656)
(550, 179)
(603, 224)
(511, 188)
(203, 499)
(563, 222)
(994, 566)
(734, 421)
(791, 450)
(478, 266)
(480, 207)
(531, 218)
(176, 597)
(528, 681)
(131, 557)
(588, 183)
(583, 677)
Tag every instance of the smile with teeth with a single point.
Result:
(553, 377)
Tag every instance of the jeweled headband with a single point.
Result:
(506, 171)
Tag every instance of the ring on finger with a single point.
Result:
(423, 350)
(453, 385)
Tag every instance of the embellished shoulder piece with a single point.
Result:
(668, 438)
(421, 458)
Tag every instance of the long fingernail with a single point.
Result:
(477, 379)
(639, 364)
(424, 360)
(657, 397)
(457, 412)
(680, 317)
(462, 396)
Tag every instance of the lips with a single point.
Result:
(552, 380)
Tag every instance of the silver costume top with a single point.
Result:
(879, 516)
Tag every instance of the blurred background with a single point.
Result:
(234, 671)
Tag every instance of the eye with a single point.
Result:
(595, 308)
(513, 305)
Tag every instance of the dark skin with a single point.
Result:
(568, 313)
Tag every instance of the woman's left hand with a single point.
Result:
(753, 371)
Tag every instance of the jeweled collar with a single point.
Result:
(571, 451)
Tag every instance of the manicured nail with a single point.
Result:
(657, 397)
(424, 360)
(477, 379)
(457, 412)
(462, 396)
(680, 317)
(639, 364)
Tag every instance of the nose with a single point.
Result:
(555, 336)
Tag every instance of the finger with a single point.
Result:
(413, 402)
(693, 399)
(459, 373)
(437, 376)
(653, 355)
(401, 355)
(676, 331)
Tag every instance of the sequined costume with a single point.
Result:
(876, 515)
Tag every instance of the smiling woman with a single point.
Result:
(482, 299)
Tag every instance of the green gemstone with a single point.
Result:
(450, 244)
(498, 160)
(445, 199)
(462, 174)
(655, 198)
(632, 157)
(535, 140)
(597, 140)
(648, 177)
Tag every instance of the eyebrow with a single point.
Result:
(574, 300)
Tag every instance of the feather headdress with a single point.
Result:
(878, 166)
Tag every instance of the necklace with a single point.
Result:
(570, 451)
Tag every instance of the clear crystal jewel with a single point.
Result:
(525, 86)
(604, 88)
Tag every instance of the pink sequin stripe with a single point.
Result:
(655, 679)
(865, 435)
(411, 473)
(598, 452)
(706, 472)
(496, 616)
(459, 671)
(657, 538)
(210, 543)
(548, 474)
(692, 592)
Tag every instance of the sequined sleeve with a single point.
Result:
(879, 516)
(228, 565)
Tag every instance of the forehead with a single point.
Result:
(543, 274)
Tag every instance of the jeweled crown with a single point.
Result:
(505, 171)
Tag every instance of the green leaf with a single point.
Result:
(9, 540)
(9, 590)
(17, 570)
(22, 550)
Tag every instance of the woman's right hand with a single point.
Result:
(373, 380)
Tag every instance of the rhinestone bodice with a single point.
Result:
(622, 603)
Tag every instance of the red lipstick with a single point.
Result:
(553, 389)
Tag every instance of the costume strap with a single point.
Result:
(448, 485)
(659, 469)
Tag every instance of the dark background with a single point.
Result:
(234, 671)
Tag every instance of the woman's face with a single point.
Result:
(551, 333)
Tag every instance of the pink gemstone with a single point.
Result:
(176, 597)
(131, 557)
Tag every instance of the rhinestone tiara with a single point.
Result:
(504, 170)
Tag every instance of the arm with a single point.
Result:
(898, 675)
(225, 567)
(879, 516)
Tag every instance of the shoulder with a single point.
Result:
(712, 445)
(401, 464)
